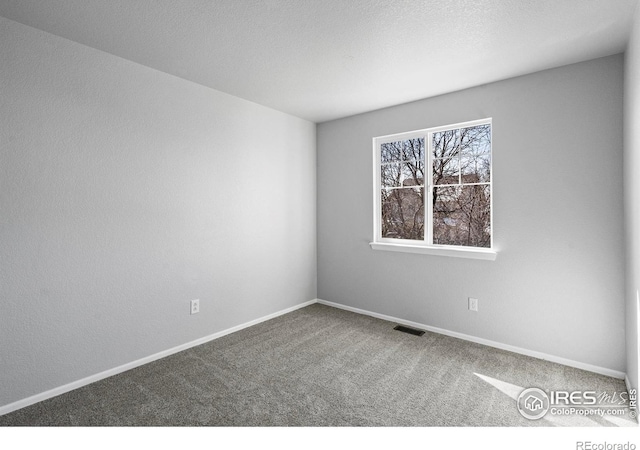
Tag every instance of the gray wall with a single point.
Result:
(557, 284)
(632, 195)
(126, 192)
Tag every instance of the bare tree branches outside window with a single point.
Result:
(402, 196)
(461, 197)
(460, 176)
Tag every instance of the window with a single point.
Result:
(433, 191)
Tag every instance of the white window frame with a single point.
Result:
(425, 246)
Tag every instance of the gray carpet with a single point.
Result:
(321, 366)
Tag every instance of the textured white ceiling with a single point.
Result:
(325, 59)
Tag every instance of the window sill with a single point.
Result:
(456, 252)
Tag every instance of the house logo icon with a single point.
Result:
(533, 403)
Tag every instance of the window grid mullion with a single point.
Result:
(428, 208)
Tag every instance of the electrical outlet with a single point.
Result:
(473, 304)
(195, 306)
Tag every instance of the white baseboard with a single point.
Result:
(466, 337)
(123, 368)
(627, 383)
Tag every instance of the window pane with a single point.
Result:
(445, 171)
(475, 140)
(446, 143)
(413, 149)
(403, 213)
(413, 173)
(462, 215)
(391, 151)
(476, 168)
(462, 141)
(390, 175)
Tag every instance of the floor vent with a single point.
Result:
(409, 330)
